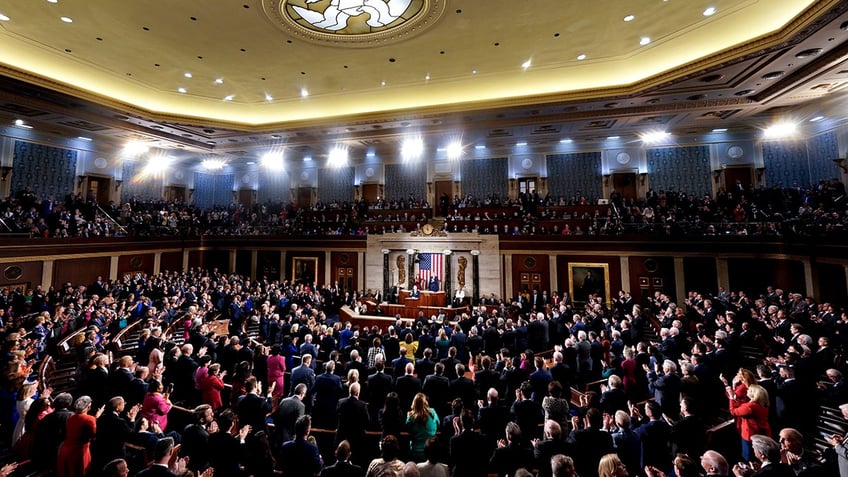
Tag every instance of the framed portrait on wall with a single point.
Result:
(586, 279)
(304, 270)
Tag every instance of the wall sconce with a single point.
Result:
(190, 193)
(606, 179)
(447, 252)
(4, 172)
(717, 175)
(118, 183)
(410, 251)
(643, 177)
(79, 181)
(385, 251)
(840, 163)
(760, 172)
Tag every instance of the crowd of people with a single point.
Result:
(769, 212)
(291, 389)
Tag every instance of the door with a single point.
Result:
(738, 179)
(345, 277)
(370, 193)
(175, 193)
(99, 188)
(304, 197)
(247, 197)
(444, 193)
(625, 184)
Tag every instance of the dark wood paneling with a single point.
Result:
(142, 262)
(196, 258)
(243, 259)
(832, 283)
(171, 261)
(79, 270)
(21, 273)
(349, 261)
(699, 273)
(754, 275)
(268, 264)
(536, 267)
(649, 275)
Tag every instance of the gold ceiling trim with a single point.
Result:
(311, 20)
(781, 37)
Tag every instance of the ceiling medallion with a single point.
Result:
(354, 23)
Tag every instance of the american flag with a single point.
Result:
(430, 265)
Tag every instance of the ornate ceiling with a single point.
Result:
(238, 79)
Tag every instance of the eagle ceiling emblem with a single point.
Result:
(337, 15)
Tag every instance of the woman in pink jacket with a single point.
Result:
(276, 370)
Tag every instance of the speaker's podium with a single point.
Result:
(427, 298)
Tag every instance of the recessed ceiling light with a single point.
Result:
(370, 154)
(780, 130)
(454, 150)
(83, 138)
(4, 18)
(654, 137)
(67, 19)
(709, 11)
(275, 136)
(526, 64)
(229, 97)
(20, 123)
(480, 146)
(52, 1)
(427, 77)
(304, 92)
(521, 143)
(181, 90)
(581, 57)
(412, 148)
(629, 18)
(614, 137)
(565, 141)
(718, 130)
(644, 40)
(307, 158)
(473, 72)
(187, 75)
(268, 97)
(250, 163)
(816, 119)
(382, 83)
(219, 81)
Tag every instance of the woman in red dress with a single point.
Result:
(211, 387)
(74, 457)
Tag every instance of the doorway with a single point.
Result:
(370, 193)
(175, 193)
(247, 197)
(100, 189)
(443, 199)
(625, 184)
(345, 277)
(738, 179)
(304, 197)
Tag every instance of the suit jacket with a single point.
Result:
(252, 409)
(437, 389)
(774, 469)
(469, 454)
(156, 471)
(112, 432)
(342, 469)
(302, 458)
(353, 421)
(288, 411)
(302, 374)
(407, 387)
(492, 420)
(326, 392)
(590, 444)
(379, 385)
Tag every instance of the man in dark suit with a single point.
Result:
(492, 416)
(425, 366)
(437, 388)
(227, 453)
(407, 386)
(469, 450)
(353, 420)
(120, 379)
(195, 438)
(342, 467)
(113, 430)
(51, 432)
(551, 445)
(326, 393)
(302, 458)
(379, 386)
(288, 412)
(463, 388)
(767, 451)
(589, 443)
(303, 374)
(486, 378)
(451, 361)
(161, 456)
(399, 363)
(252, 408)
(527, 413)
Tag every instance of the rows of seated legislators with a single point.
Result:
(187, 371)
